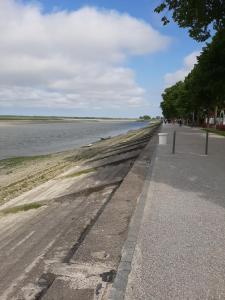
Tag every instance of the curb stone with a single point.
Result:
(119, 286)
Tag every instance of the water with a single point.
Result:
(26, 139)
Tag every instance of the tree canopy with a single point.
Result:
(198, 16)
(203, 90)
(145, 118)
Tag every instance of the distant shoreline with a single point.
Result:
(8, 118)
(18, 122)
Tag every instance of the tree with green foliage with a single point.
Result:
(203, 90)
(199, 96)
(212, 68)
(174, 101)
(145, 118)
(206, 80)
(198, 16)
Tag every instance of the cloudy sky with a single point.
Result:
(88, 58)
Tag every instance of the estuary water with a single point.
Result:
(36, 138)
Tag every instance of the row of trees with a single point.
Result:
(145, 118)
(203, 90)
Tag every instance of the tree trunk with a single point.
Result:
(215, 116)
(193, 119)
(207, 118)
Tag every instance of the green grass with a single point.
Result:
(28, 118)
(82, 172)
(216, 131)
(15, 161)
(19, 208)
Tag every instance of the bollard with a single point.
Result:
(174, 142)
(206, 142)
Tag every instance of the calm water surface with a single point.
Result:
(23, 139)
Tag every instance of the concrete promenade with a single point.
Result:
(180, 251)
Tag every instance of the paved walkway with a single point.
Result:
(180, 252)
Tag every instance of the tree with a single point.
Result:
(212, 65)
(203, 90)
(199, 94)
(145, 118)
(174, 99)
(199, 16)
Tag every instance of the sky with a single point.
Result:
(110, 58)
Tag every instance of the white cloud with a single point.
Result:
(71, 59)
(188, 64)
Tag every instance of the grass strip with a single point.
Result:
(82, 172)
(216, 131)
(24, 207)
(15, 161)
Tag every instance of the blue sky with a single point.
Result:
(144, 70)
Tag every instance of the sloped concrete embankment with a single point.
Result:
(70, 247)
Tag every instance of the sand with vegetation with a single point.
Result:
(21, 174)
